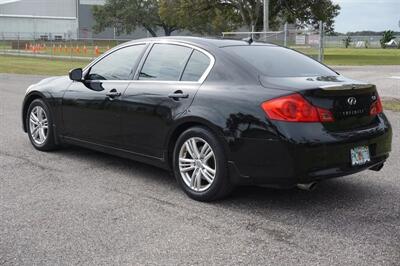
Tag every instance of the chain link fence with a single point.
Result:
(356, 41)
(62, 46)
(305, 41)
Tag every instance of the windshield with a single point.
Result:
(275, 61)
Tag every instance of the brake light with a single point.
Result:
(294, 108)
(376, 107)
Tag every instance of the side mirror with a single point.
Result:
(76, 74)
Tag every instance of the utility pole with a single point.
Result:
(266, 18)
(321, 41)
(266, 15)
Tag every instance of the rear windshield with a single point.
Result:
(276, 61)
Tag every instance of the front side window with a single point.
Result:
(195, 68)
(118, 65)
(165, 62)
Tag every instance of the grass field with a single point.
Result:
(359, 57)
(333, 56)
(39, 66)
(356, 57)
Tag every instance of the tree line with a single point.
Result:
(210, 17)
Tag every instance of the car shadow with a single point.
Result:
(344, 192)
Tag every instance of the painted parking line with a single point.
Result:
(395, 77)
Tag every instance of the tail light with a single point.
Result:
(294, 108)
(376, 107)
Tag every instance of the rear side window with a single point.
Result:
(280, 62)
(195, 68)
(117, 65)
(165, 62)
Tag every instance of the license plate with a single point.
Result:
(360, 155)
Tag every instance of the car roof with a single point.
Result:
(215, 42)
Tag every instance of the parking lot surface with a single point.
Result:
(386, 78)
(76, 206)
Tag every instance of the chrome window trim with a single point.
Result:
(200, 81)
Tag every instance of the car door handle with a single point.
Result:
(113, 93)
(178, 95)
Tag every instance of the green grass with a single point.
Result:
(39, 66)
(359, 57)
(333, 56)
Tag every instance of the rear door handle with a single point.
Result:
(178, 95)
(113, 93)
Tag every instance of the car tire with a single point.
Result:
(39, 125)
(200, 165)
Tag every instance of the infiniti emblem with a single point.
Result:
(352, 101)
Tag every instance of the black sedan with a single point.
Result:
(218, 113)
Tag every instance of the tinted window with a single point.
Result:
(197, 65)
(165, 62)
(118, 65)
(280, 62)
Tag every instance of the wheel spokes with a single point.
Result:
(186, 165)
(208, 172)
(40, 114)
(195, 164)
(38, 124)
(34, 119)
(195, 181)
(189, 149)
(35, 132)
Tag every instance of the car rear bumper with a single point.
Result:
(307, 158)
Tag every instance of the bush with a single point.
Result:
(347, 41)
(387, 36)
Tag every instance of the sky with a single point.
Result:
(376, 15)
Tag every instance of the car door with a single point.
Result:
(165, 86)
(91, 108)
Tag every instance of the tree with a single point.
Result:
(306, 12)
(387, 36)
(210, 16)
(250, 12)
(199, 16)
(347, 41)
(127, 15)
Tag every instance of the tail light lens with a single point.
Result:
(294, 108)
(376, 107)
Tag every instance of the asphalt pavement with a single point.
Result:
(386, 78)
(76, 206)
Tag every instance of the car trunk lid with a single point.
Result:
(349, 100)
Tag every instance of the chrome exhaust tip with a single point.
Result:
(308, 187)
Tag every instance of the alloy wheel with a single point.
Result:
(197, 164)
(38, 125)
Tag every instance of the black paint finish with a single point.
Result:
(141, 119)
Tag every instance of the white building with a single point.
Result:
(39, 18)
(53, 19)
